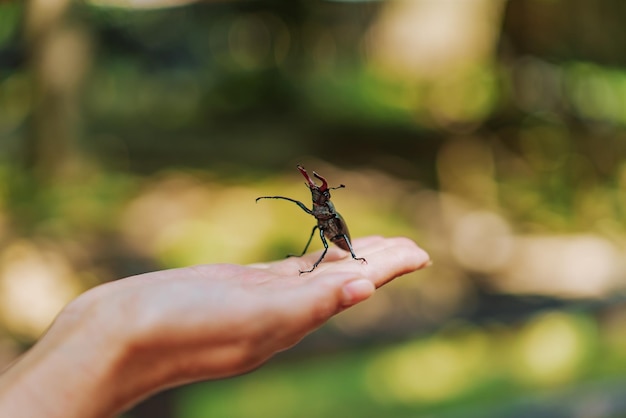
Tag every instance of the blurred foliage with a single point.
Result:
(461, 370)
(491, 132)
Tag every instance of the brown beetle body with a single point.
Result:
(329, 222)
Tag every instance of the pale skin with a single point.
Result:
(122, 341)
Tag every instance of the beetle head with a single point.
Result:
(320, 194)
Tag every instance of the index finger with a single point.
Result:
(387, 258)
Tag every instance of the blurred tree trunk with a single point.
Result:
(59, 54)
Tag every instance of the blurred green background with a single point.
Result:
(135, 135)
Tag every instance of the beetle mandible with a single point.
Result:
(329, 222)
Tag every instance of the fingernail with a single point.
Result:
(357, 291)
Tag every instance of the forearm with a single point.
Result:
(69, 373)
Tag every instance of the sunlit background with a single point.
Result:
(136, 134)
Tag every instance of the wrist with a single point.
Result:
(69, 373)
(104, 322)
(120, 338)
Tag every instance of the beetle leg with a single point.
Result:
(306, 247)
(304, 208)
(323, 254)
(345, 237)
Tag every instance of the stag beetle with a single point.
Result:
(329, 222)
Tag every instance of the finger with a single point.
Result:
(336, 254)
(395, 257)
(386, 258)
(346, 282)
(338, 284)
(297, 310)
(294, 265)
(391, 256)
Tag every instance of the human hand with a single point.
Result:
(170, 327)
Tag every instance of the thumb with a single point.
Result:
(356, 291)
